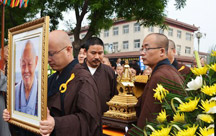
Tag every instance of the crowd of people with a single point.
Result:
(78, 110)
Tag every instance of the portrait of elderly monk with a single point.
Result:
(26, 91)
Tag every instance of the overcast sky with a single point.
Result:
(201, 13)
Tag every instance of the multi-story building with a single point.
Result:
(127, 36)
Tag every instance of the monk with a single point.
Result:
(74, 109)
(104, 75)
(183, 69)
(154, 54)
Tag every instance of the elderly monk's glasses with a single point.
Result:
(146, 49)
(56, 52)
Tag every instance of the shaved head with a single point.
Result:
(160, 39)
(171, 51)
(60, 37)
(60, 52)
(29, 46)
(171, 44)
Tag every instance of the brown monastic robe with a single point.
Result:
(81, 112)
(106, 83)
(183, 69)
(146, 104)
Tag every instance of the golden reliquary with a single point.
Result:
(121, 106)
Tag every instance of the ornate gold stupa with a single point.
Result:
(121, 106)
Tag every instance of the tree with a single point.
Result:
(36, 9)
(102, 12)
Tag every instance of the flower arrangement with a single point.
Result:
(193, 112)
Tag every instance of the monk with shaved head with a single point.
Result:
(183, 69)
(73, 103)
(154, 54)
(74, 109)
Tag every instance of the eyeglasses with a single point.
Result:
(52, 54)
(146, 49)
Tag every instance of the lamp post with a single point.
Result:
(198, 36)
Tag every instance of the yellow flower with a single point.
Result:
(162, 132)
(206, 132)
(187, 132)
(162, 116)
(206, 118)
(189, 106)
(207, 105)
(213, 53)
(179, 117)
(160, 92)
(200, 71)
(209, 90)
(213, 67)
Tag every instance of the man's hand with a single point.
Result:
(47, 126)
(6, 115)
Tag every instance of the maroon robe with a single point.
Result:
(146, 104)
(185, 71)
(106, 83)
(82, 110)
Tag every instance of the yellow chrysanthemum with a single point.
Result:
(160, 92)
(200, 71)
(206, 118)
(162, 116)
(206, 132)
(213, 53)
(213, 67)
(207, 105)
(179, 117)
(190, 131)
(189, 106)
(162, 132)
(209, 90)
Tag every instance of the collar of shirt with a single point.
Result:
(92, 70)
(53, 87)
(175, 64)
(160, 63)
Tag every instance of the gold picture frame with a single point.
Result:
(28, 109)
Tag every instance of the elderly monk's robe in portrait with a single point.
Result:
(106, 83)
(146, 104)
(77, 112)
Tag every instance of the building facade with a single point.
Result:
(127, 36)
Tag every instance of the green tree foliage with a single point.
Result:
(36, 9)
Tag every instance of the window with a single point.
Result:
(161, 31)
(179, 34)
(170, 32)
(106, 46)
(115, 31)
(187, 50)
(137, 43)
(188, 36)
(125, 44)
(106, 33)
(82, 36)
(72, 38)
(151, 29)
(136, 27)
(125, 29)
(178, 49)
(115, 46)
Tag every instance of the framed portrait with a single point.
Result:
(27, 74)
